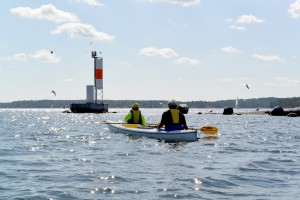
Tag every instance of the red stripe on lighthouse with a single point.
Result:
(99, 74)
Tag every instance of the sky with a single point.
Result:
(187, 50)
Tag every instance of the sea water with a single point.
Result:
(48, 154)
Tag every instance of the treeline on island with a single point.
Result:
(269, 102)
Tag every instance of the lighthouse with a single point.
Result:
(94, 93)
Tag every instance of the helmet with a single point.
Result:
(135, 106)
(172, 104)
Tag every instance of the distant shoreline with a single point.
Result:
(269, 102)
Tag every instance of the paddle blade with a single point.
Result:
(209, 129)
(131, 125)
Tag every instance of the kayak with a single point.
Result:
(152, 132)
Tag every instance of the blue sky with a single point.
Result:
(186, 50)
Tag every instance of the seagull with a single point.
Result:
(52, 91)
(247, 86)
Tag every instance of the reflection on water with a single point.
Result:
(209, 138)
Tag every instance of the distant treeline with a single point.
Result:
(269, 102)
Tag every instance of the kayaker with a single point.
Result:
(135, 116)
(172, 118)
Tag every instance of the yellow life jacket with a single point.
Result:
(175, 115)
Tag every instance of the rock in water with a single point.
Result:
(277, 111)
(292, 114)
(228, 111)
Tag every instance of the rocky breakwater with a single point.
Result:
(279, 111)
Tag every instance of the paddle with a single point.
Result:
(211, 130)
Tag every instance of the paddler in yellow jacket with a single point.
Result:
(135, 116)
(172, 118)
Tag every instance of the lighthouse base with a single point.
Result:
(89, 108)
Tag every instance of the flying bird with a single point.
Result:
(52, 91)
(247, 86)
(51, 52)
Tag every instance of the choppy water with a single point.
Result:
(47, 154)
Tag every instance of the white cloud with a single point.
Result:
(45, 12)
(46, 56)
(43, 55)
(269, 58)
(85, 30)
(228, 20)
(282, 81)
(294, 9)
(243, 19)
(230, 50)
(287, 81)
(188, 61)
(88, 2)
(183, 3)
(239, 28)
(241, 79)
(16, 57)
(226, 79)
(164, 52)
(248, 19)
(126, 63)
(20, 57)
(69, 80)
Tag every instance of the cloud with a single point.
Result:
(243, 19)
(248, 19)
(16, 57)
(294, 10)
(126, 63)
(69, 80)
(228, 20)
(286, 81)
(45, 56)
(88, 2)
(84, 30)
(188, 61)
(167, 53)
(183, 3)
(227, 79)
(230, 50)
(45, 12)
(269, 58)
(239, 28)
(282, 81)
(164, 52)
